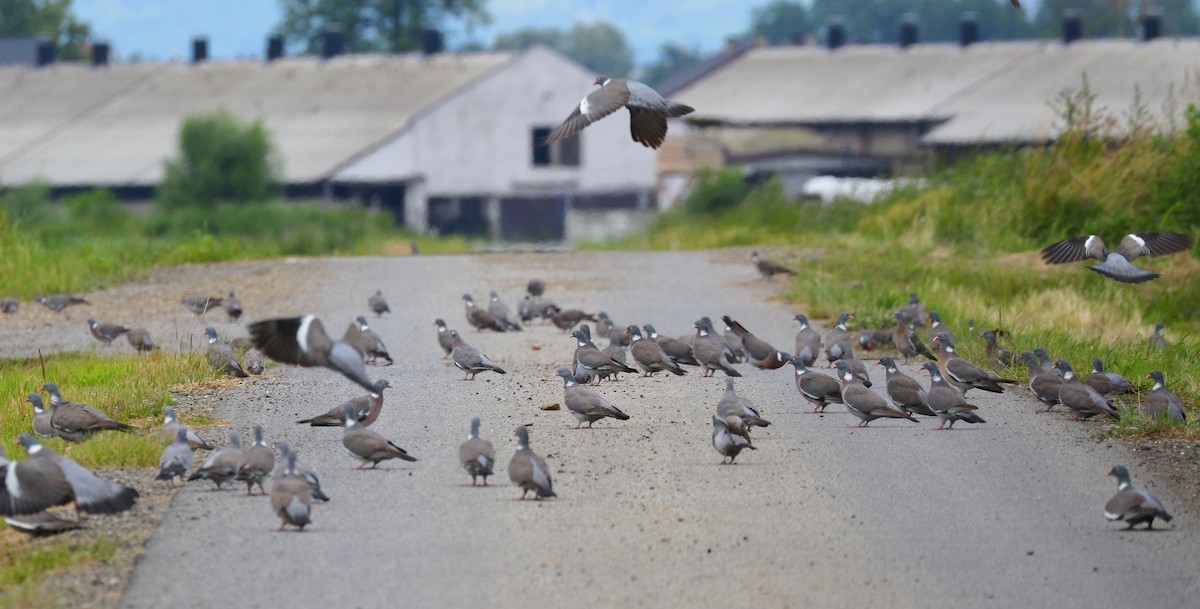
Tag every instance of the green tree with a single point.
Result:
(672, 57)
(600, 46)
(780, 22)
(221, 159)
(1104, 18)
(374, 25)
(51, 19)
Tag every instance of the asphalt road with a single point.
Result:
(1006, 514)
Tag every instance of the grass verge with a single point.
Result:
(25, 563)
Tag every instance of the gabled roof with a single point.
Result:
(77, 125)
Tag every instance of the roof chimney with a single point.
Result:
(100, 53)
(332, 43)
(835, 33)
(274, 47)
(45, 53)
(1151, 25)
(908, 30)
(199, 49)
(432, 42)
(968, 29)
(1072, 26)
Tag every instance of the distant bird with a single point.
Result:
(605, 324)
(469, 359)
(140, 340)
(1045, 362)
(837, 340)
(565, 319)
(40, 524)
(360, 336)
(1116, 264)
(937, 327)
(171, 427)
(872, 339)
(648, 111)
(443, 337)
(291, 496)
(367, 445)
(479, 318)
(254, 361)
(257, 463)
(303, 341)
(1043, 383)
(176, 458)
(616, 351)
(769, 268)
(1163, 402)
(946, 401)
(584, 403)
(46, 479)
(998, 357)
(679, 351)
(477, 455)
(710, 350)
(591, 361)
(75, 422)
(1083, 401)
(41, 417)
(963, 374)
(378, 304)
(907, 341)
(1133, 505)
(222, 465)
(728, 444)
(221, 356)
(105, 333)
(904, 391)
(649, 356)
(856, 366)
(366, 410)
(9, 305)
(1107, 383)
(58, 302)
(528, 470)
(232, 306)
(819, 389)
(501, 312)
(301, 469)
(1157, 340)
(535, 287)
(914, 312)
(201, 304)
(808, 341)
(739, 412)
(527, 309)
(759, 352)
(863, 403)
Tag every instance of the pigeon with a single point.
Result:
(469, 359)
(856, 366)
(255, 363)
(1163, 402)
(42, 425)
(1133, 505)
(863, 403)
(367, 445)
(221, 466)
(201, 304)
(648, 111)
(904, 391)
(649, 355)
(303, 341)
(735, 349)
(998, 357)
(593, 362)
(727, 443)
(502, 313)
(46, 479)
(872, 339)
(176, 458)
(480, 319)
(257, 463)
(907, 342)
(817, 388)
(1157, 340)
(140, 340)
(1117, 264)
(739, 412)
(568, 318)
(1045, 362)
(291, 496)
(710, 350)
(171, 427)
(378, 304)
(1083, 401)
(9, 305)
(105, 333)
(961, 373)
(527, 309)
(808, 341)
(221, 356)
(605, 324)
(837, 340)
(946, 401)
(1043, 383)
(443, 336)
(616, 351)
(232, 306)
(364, 339)
(528, 470)
(679, 351)
(914, 312)
(1107, 383)
(535, 287)
(477, 455)
(302, 469)
(759, 352)
(366, 410)
(58, 302)
(75, 422)
(585, 403)
(40, 524)
(937, 327)
(769, 268)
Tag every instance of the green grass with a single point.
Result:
(24, 564)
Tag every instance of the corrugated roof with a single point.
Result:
(115, 125)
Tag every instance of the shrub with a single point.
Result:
(221, 159)
(716, 191)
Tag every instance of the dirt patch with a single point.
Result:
(1177, 464)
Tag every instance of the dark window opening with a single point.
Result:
(463, 216)
(563, 153)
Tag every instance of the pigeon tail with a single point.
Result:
(676, 109)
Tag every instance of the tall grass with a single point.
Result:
(24, 564)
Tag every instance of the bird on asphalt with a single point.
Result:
(477, 455)
(41, 417)
(257, 463)
(739, 412)
(565, 319)
(1043, 383)
(222, 465)
(105, 333)
(40, 524)
(368, 445)
(291, 496)
(303, 341)
(364, 339)
(768, 268)
(443, 337)
(1131, 504)
(302, 469)
(808, 341)
(535, 287)
(528, 470)
(946, 401)
(201, 304)
(904, 391)
(591, 361)
(649, 355)
(907, 341)
(500, 311)
(232, 306)
(914, 312)
(961, 373)
(221, 356)
(378, 304)
(479, 318)
(171, 427)
(709, 350)
(1083, 401)
(1163, 402)
(616, 351)
(366, 410)
(679, 351)
(937, 327)
(585, 404)
(837, 340)
(58, 302)
(998, 357)
(469, 359)
(1107, 383)
(856, 366)
(648, 111)
(759, 352)
(1117, 264)
(255, 362)
(9, 306)
(728, 444)
(819, 389)
(140, 340)
(528, 309)
(75, 422)
(1157, 340)
(46, 479)
(863, 403)
(176, 458)
(874, 338)
(604, 325)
